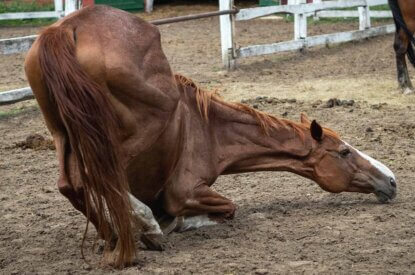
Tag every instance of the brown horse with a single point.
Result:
(133, 139)
(404, 16)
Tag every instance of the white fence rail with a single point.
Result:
(312, 41)
(351, 13)
(301, 11)
(230, 53)
(345, 14)
(23, 44)
(15, 95)
(16, 45)
(30, 15)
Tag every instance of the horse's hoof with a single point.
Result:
(153, 241)
(408, 91)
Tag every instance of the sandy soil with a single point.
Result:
(284, 223)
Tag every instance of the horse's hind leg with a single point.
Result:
(76, 198)
(74, 192)
(70, 186)
(401, 47)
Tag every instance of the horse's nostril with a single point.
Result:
(392, 182)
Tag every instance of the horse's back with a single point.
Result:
(122, 54)
(114, 45)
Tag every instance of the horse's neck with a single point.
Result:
(242, 145)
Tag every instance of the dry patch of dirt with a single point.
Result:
(35, 142)
(284, 223)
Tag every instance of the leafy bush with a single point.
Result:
(25, 6)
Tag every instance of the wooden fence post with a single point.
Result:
(59, 8)
(364, 17)
(149, 5)
(226, 34)
(70, 6)
(315, 16)
(300, 22)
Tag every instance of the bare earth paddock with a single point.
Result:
(284, 223)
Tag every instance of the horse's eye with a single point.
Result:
(345, 152)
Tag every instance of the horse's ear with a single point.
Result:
(316, 131)
(304, 119)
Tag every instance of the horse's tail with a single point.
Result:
(91, 125)
(400, 24)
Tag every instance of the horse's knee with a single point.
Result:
(174, 207)
(74, 195)
(399, 48)
(177, 202)
(400, 44)
(64, 187)
(174, 199)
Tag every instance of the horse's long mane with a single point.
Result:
(204, 98)
(266, 121)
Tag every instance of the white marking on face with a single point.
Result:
(380, 166)
(195, 222)
(144, 214)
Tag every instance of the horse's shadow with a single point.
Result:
(282, 206)
(246, 220)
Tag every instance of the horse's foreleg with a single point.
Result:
(401, 48)
(196, 205)
(152, 234)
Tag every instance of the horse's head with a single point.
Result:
(338, 167)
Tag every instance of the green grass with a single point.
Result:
(27, 22)
(311, 21)
(18, 111)
(380, 8)
(322, 20)
(19, 6)
(353, 19)
(375, 8)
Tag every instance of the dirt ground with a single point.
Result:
(284, 224)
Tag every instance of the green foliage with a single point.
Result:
(264, 3)
(27, 22)
(347, 19)
(374, 8)
(18, 111)
(380, 8)
(20, 6)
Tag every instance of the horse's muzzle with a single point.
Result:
(386, 192)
